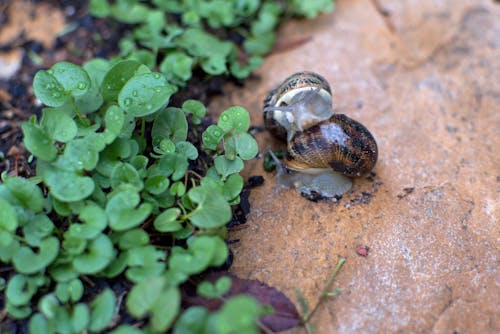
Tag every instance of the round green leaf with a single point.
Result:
(83, 153)
(49, 90)
(58, 125)
(166, 221)
(235, 119)
(157, 184)
(97, 256)
(95, 221)
(170, 123)
(38, 142)
(80, 318)
(37, 229)
(122, 210)
(8, 217)
(246, 146)
(19, 291)
(177, 66)
(212, 136)
(28, 262)
(145, 94)
(66, 184)
(124, 173)
(194, 107)
(27, 193)
(192, 320)
(114, 121)
(133, 238)
(232, 187)
(226, 167)
(116, 77)
(103, 309)
(48, 305)
(143, 295)
(165, 309)
(38, 324)
(212, 210)
(72, 77)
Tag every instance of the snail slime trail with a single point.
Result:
(324, 150)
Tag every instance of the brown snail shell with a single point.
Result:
(284, 96)
(300, 112)
(339, 143)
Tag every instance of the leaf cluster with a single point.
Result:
(218, 36)
(108, 198)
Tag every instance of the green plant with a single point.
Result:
(325, 294)
(109, 200)
(219, 36)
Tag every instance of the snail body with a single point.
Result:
(319, 142)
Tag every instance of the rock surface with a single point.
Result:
(424, 77)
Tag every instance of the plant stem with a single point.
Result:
(326, 290)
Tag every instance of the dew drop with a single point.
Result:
(157, 89)
(216, 133)
(135, 93)
(81, 85)
(157, 75)
(149, 106)
(123, 79)
(128, 101)
(50, 71)
(50, 85)
(56, 94)
(225, 118)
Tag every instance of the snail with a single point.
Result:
(324, 149)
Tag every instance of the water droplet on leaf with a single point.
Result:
(128, 101)
(82, 85)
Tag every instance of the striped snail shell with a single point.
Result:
(300, 111)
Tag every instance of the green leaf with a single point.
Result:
(126, 329)
(95, 221)
(212, 210)
(116, 77)
(133, 238)
(103, 310)
(28, 262)
(129, 11)
(165, 309)
(235, 119)
(232, 187)
(80, 318)
(58, 125)
(37, 229)
(237, 315)
(38, 324)
(212, 136)
(145, 94)
(311, 9)
(97, 256)
(96, 68)
(157, 184)
(38, 142)
(26, 193)
(177, 66)
(143, 295)
(170, 123)
(166, 221)
(246, 146)
(19, 291)
(18, 312)
(226, 167)
(49, 90)
(48, 305)
(126, 174)
(65, 183)
(72, 77)
(114, 120)
(217, 290)
(192, 320)
(71, 290)
(8, 217)
(122, 210)
(83, 153)
(152, 296)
